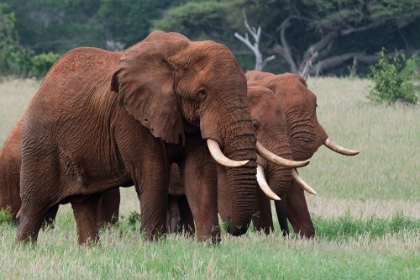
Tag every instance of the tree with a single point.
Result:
(341, 31)
(129, 21)
(312, 36)
(12, 54)
(57, 25)
(255, 48)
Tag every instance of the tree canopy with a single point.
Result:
(317, 36)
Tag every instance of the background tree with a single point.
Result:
(330, 35)
(306, 36)
(12, 54)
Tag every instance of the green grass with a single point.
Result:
(122, 254)
(366, 212)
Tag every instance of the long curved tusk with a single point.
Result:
(262, 151)
(262, 182)
(302, 183)
(338, 149)
(218, 155)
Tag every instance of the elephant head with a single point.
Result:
(299, 104)
(175, 87)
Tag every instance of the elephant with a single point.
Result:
(10, 162)
(306, 136)
(270, 127)
(101, 119)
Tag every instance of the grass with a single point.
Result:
(366, 212)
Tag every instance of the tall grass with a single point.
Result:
(366, 212)
(385, 174)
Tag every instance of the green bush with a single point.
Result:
(394, 81)
(42, 63)
(6, 216)
(15, 60)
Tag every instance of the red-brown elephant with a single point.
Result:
(269, 122)
(306, 136)
(10, 161)
(102, 119)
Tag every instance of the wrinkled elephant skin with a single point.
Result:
(102, 119)
(10, 161)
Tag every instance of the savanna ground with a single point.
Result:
(366, 213)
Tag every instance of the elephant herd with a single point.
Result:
(179, 121)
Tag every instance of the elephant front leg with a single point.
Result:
(262, 218)
(85, 213)
(281, 210)
(153, 197)
(298, 213)
(200, 181)
(29, 225)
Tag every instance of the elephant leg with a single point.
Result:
(36, 195)
(186, 222)
(281, 210)
(108, 207)
(173, 216)
(50, 217)
(30, 222)
(84, 210)
(152, 190)
(298, 213)
(200, 180)
(262, 218)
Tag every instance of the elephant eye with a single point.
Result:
(202, 94)
(255, 124)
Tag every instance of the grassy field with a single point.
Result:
(366, 213)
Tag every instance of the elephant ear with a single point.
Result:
(144, 82)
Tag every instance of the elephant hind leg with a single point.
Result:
(50, 217)
(186, 224)
(173, 216)
(85, 213)
(109, 207)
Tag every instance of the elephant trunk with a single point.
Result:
(234, 133)
(305, 136)
(241, 181)
(278, 177)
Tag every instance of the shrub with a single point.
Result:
(15, 60)
(394, 81)
(6, 216)
(41, 63)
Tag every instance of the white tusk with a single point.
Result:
(302, 183)
(262, 151)
(262, 182)
(218, 155)
(338, 149)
